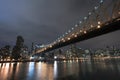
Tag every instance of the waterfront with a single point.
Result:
(108, 69)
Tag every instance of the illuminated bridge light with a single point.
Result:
(85, 32)
(68, 38)
(50, 46)
(58, 40)
(80, 30)
(85, 18)
(69, 31)
(99, 22)
(98, 26)
(75, 36)
(54, 42)
(95, 7)
(80, 22)
(72, 28)
(89, 13)
(63, 40)
(45, 48)
(76, 25)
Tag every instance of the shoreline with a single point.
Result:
(49, 60)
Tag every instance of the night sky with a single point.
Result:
(43, 21)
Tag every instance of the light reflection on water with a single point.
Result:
(61, 70)
(55, 69)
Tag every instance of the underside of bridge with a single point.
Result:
(110, 26)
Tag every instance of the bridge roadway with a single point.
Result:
(107, 27)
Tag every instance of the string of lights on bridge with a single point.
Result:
(62, 38)
(70, 34)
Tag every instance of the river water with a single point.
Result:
(61, 70)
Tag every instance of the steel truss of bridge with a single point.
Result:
(104, 18)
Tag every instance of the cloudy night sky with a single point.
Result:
(43, 21)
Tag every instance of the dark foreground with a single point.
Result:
(61, 70)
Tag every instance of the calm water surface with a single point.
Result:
(61, 70)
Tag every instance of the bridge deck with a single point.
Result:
(107, 27)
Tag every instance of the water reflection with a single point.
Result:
(61, 70)
(6, 71)
(55, 70)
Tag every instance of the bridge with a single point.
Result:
(103, 19)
